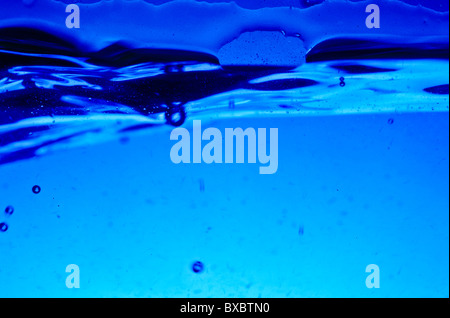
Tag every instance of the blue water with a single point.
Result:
(86, 176)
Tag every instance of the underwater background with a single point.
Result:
(86, 176)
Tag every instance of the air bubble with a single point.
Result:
(36, 189)
(9, 210)
(3, 227)
(301, 230)
(390, 121)
(197, 267)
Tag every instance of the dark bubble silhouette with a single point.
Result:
(202, 185)
(342, 83)
(301, 230)
(3, 227)
(36, 189)
(9, 210)
(198, 267)
(390, 121)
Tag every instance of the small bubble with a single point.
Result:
(197, 267)
(390, 121)
(36, 189)
(3, 227)
(9, 210)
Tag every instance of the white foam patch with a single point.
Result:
(263, 48)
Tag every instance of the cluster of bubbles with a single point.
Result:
(197, 267)
(9, 210)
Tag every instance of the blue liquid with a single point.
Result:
(362, 174)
